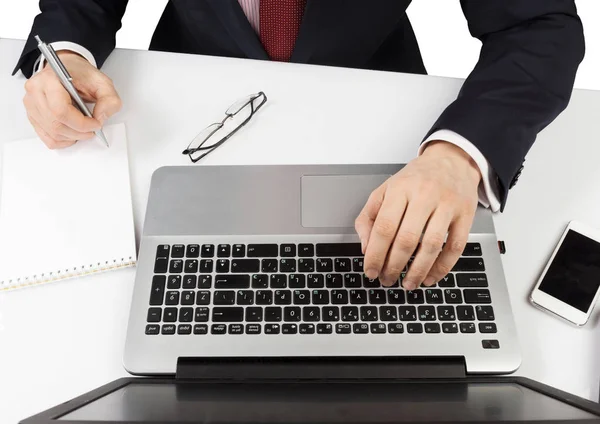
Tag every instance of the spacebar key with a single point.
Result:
(228, 314)
(230, 281)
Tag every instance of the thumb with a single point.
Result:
(108, 101)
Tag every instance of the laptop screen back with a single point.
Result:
(326, 402)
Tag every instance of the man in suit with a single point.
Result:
(474, 152)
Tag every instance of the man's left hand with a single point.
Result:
(434, 195)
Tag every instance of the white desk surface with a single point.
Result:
(63, 339)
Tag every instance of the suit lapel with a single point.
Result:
(310, 21)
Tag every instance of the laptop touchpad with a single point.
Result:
(331, 201)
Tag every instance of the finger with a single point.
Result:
(383, 232)
(407, 238)
(108, 101)
(364, 222)
(61, 111)
(430, 247)
(457, 240)
(50, 142)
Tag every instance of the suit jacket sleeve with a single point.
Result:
(522, 81)
(90, 23)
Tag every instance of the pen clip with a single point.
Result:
(59, 63)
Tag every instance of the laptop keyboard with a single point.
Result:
(306, 289)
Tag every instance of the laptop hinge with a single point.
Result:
(331, 368)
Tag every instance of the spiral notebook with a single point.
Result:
(65, 213)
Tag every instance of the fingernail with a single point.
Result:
(429, 281)
(409, 285)
(371, 274)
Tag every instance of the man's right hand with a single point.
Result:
(51, 111)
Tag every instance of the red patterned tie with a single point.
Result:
(279, 25)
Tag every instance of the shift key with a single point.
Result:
(231, 281)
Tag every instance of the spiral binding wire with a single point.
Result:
(63, 274)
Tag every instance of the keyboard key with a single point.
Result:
(184, 329)
(452, 296)
(324, 265)
(324, 328)
(264, 297)
(306, 250)
(338, 249)
(268, 265)
(205, 282)
(357, 264)
(201, 314)
(358, 297)
(234, 314)
(152, 329)
(157, 291)
(254, 314)
(449, 327)
(339, 297)
(415, 296)
(469, 264)
(223, 265)
(434, 296)
(315, 281)
(203, 297)
(352, 281)
(168, 329)
(378, 328)
(170, 315)
(260, 281)
(472, 249)
(262, 250)
(467, 327)
(388, 313)
(224, 297)
(368, 283)
(218, 329)
(487, 327)
(236, 328)
(368, 313)
(395, 296)
(208, 251)
(432, 328)
(343, 328)
(465, 313)
(311, 313)
(176, 266)
(407, 313)
(306, 265)
(477, 296)
(490, 344)
(239, 251)
(320, 297)
(189, 281)
(154, 315)
(297, 281)
(283, 297)
(485, 313)
(414, 328)
(292, 313)
(178, 251)
(192, 251)
(287, 265)
(223, 251)
(307, 329)
(289, 329)
(200, 329)
(377, 297)
(426, 313)
(172, 298)
(342, 265)
(396, 328)
(471, 280)
(245, 297)
(278, 281)
(287, 250)
(301, 297)
(253, 328)
(232, 281)
(245, 265)
(191, 266)
(273, 313)
(360, 328)
(447, 281)
(333, 281)
(272, 328)
(331, 313)
(174, 282)
(187, 297)
(446, 313)
(162, 251)
(206, 266)
(160, 265)
(349, 313)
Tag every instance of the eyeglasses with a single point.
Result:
(236, 116)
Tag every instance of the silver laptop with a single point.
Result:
(263, 261)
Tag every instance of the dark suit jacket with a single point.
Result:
(522, 81)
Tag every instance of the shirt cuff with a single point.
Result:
(488, 189)
(66, 45)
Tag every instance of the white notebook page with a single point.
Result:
(65, 213)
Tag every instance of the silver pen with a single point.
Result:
(66, 80)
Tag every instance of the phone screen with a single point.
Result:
(574, 275)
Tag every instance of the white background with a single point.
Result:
(446, 45)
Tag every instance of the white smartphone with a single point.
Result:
(570, 283)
